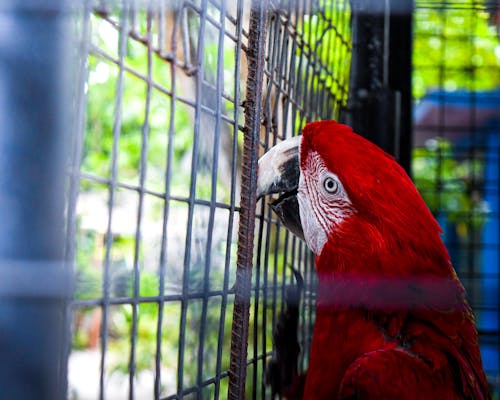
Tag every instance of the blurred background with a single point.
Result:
(132, 126)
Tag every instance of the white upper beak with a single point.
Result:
(279, 168)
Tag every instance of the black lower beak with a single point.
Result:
(279, 172)
(287, 209)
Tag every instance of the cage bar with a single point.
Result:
(380, 98)
(35, 114)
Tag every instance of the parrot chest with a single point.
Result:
(340, 337)
(343, 336)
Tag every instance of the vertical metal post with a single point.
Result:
(380, 84)
(35, 107)
(400, 76)
(253, 115)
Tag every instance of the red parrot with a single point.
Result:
(392, 321)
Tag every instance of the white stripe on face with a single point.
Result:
(323, 202)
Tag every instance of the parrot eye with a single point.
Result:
(331, 185)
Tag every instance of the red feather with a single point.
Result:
(392, 320)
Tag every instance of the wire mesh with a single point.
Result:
(154, 199)
(456, 148)
(158, 199)
(307, 61)
(154, 203)
(156, 180)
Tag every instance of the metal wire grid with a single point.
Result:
(456, 157)
(306, 72)
(154, 200)
(479, 5)
(158, 198)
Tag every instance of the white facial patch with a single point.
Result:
(323, 202)
(313, 232)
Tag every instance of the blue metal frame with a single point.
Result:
(34, 116)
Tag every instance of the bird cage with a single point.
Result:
(137, 260)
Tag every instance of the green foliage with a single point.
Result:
(118, 130)
(116, 109)
(453, 49)
(456, 47)
(147, 325)
(447, 184)
(88, 278)
(103, 92)
(326, 35)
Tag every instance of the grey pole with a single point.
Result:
(35, 112)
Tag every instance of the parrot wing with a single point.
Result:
(394, 374)
(439, 359)
(281, 372)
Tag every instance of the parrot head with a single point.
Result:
(351, 197)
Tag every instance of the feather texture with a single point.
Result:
(392, 319)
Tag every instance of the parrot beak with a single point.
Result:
(279, 172)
